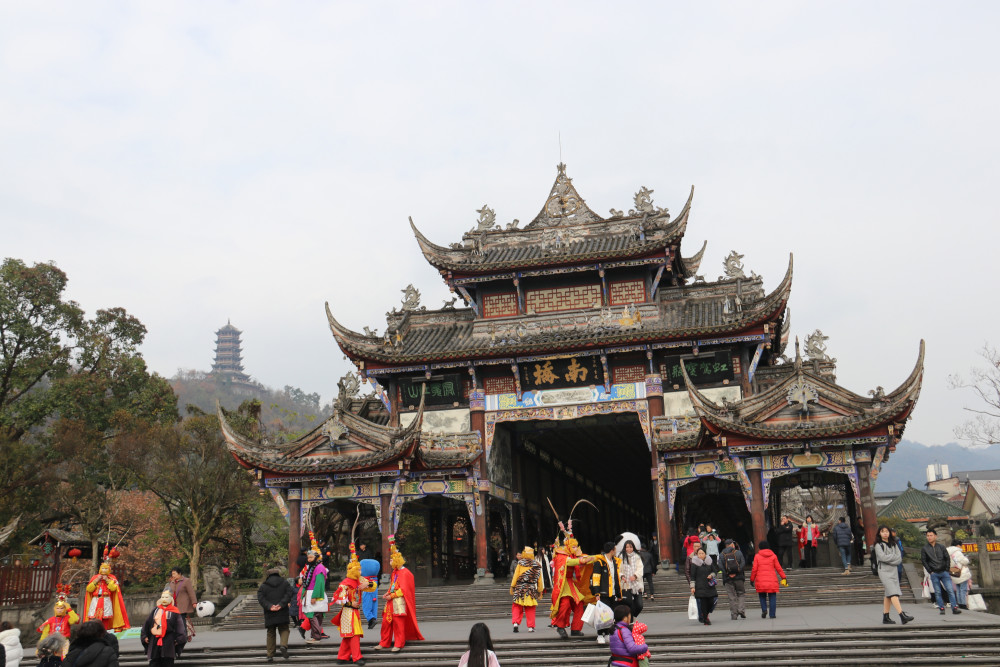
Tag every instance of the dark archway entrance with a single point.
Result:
(603, 458)
(714, 501)
(822, 494)
(448, 551)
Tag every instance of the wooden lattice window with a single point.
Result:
(563, 298)
(500, 305)
(624, 374)
(499, 385)
(623, 292)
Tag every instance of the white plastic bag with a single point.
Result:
(590, 614)
(692, 609)
(605, 616)
(976, 602)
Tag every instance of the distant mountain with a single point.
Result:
(910, 460)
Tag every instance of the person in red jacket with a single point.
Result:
(808, 536)
(765, 577)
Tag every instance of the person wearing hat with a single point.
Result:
(313, 602)
(164, 633)
(62, 618)
(525, 586)
(274, 596)
(348, 620)
(103, 599)
(570, 585)
(399, 618)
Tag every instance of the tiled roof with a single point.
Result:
(680, 313)
(915, 504)
(755, 416)
(988, 491)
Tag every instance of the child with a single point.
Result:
(51, 649)
(638, 628)
(624, 649)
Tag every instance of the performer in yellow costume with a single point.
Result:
(103, 600)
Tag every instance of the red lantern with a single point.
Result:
(74, 553)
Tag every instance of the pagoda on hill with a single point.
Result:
(590, 360)
(228, 364)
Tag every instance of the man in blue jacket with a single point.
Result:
(843, 537)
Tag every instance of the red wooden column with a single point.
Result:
(477, 417)
(294, 504)
(664, 532)
(867, 502)
(758, 518)
(386, 528)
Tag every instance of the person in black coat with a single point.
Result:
(274, 595)
(704, 585)
(93, 647)
(164, 633)
(648, 570)
(785, 534)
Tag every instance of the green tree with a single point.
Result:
(188, 467)
(65, 383)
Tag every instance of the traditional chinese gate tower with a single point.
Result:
(590, 360)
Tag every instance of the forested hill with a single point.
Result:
(909, 463)
(285, 413)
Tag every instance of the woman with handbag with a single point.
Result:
(704, 585)
(632, 572)
(886, 556)
(958, 568)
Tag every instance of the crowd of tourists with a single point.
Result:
(606, 590)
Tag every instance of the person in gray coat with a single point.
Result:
(843, 537)
(732, 564)
(274, 595)
(886, 556)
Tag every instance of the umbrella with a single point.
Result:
(624, 538)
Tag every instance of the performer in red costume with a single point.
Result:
(571, 571)
(103, 600)
(399, 620)
(62, 618)
(348, 593)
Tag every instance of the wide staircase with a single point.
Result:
(806, 587)
(897, 645)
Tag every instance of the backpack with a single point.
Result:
(730, 564)
(874, 561)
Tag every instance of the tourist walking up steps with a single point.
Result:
(843, 537)
(886, 556)
(704, 585)
(765, 577)
(732, 564)
(480, 653)
(935, 560)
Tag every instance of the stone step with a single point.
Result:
(809, 587)
(912, 645)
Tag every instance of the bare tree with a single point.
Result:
(984, 428)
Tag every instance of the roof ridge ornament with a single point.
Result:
(644, 204)
(816, 347)
(487, 219)
(563, 205)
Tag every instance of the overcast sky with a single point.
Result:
(196, 162)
